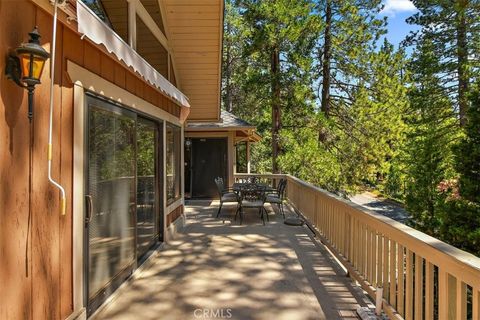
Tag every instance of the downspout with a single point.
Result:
(63, 201)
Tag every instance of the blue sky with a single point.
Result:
(397, 11)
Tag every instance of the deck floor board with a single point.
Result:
(217, 268)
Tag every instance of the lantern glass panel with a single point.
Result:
(37, 66)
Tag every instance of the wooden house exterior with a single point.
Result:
(44, 255)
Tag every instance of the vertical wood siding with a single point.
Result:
(36, 244)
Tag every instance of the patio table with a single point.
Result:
(237, 186)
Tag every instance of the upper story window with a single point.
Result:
(151, 49)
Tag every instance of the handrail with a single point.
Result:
(413, 268)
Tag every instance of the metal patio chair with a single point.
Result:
(226, 195)
(278, 196)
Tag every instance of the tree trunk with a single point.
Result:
(276, 115)
(327, 48)
(462, 60)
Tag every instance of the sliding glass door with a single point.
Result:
(110, 197)
(122, 195)
(148, 186)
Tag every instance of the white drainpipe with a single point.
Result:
(63, 201)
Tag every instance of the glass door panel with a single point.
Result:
(147, 194)
(111, 144)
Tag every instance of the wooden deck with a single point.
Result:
(217, 268)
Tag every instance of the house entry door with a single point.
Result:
(209, 160)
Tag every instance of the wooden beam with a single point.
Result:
(151, 24)
(248, 156)
(220, 57)
(166, 26)
(132, 24)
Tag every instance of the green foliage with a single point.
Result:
(461, 214)
(369, 96)
(453, 29)
(431, 132)
(468, 153)
(461, 225)
(366, 128)
(309, 161)
(392, 121)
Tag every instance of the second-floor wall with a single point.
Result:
(181, 39)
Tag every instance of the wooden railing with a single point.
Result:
(421, 276)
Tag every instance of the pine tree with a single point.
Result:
(361, 89)
(281, 38)
(233, 64)
(468, 153)
(461, 214)
(432, 129)
(453, 29)
(350, 34)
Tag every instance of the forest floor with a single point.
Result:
(386, 207)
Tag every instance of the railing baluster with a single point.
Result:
(461, 305)
(343, 228)
(369, 254)
(429, 290)
(400, 280)
(418, 287)
(393, 274)
(351, 239)
(363, 249)
(475, 303)
(379, 260)
(357, 245)
(346, 238)
(446, 291)
(327, 214)
(409, 286)
(324, 218)
(335, 227)
(385, 267)
(317, 215)
(374, 259)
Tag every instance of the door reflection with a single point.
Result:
(111, 184)
(146, 185)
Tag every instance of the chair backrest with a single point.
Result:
(281, 188)
(220, 185)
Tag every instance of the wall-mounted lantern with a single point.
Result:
(25, 65)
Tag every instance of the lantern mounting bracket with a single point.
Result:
(12, 70)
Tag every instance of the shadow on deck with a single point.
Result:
(217, 269)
